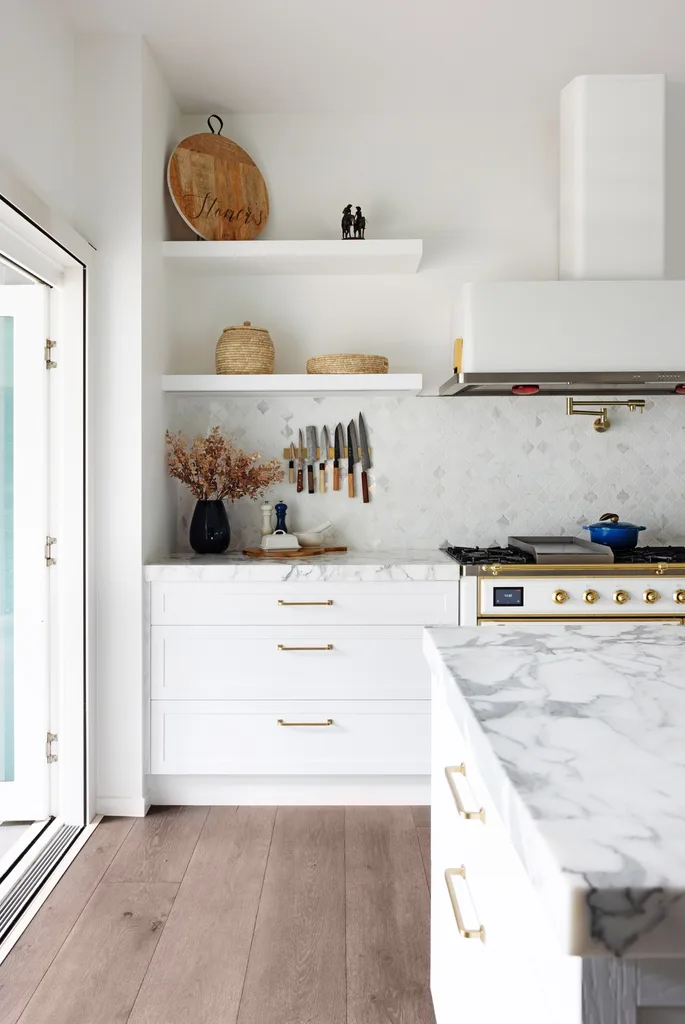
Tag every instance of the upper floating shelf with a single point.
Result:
(315, 256)
(293, 383)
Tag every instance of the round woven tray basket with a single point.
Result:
(245, 349)
(347, 363)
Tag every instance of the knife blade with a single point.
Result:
(352, 456)
(338, 448)
(366, 458)
(300, 462)
(311, 457)
(291, 464)
(325, 445)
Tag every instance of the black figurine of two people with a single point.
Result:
(353, 222)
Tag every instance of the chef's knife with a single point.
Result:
(311, 457)
(366, 458)
(352, 456)
(338, 449)
(291, 464)
(325, 444)
(300, 462)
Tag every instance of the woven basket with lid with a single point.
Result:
(245, 349)
(347, 363)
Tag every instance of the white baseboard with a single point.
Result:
(288, 790)
(122, 807)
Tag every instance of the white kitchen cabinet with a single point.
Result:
(230, 660)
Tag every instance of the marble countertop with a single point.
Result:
(349, 567)
(579, 734)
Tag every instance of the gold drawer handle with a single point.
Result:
(460, 769)
(326, 647)
(301, 604)
(466, 933)
(329, 721)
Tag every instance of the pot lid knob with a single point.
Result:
(609, 517)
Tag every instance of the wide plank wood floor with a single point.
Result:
(234, 915)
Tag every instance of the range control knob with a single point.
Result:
(650, 596)
(559, 596)
(679, 597)
(621, 596)
(590, 596)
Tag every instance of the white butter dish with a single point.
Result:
(280, 541)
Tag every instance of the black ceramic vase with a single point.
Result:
(210, 533)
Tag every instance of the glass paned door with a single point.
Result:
(24, 590)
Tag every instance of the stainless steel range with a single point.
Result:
(560, 579)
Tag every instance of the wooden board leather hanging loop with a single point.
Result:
(217, 187)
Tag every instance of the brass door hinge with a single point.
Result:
(50, 364)
(49, 560)
(49, 756)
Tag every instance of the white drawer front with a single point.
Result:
(215, 604)
(300, 663)
(240, 737)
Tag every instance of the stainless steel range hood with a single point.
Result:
(571, 338)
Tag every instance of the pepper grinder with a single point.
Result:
(267, 508)
(281, 509)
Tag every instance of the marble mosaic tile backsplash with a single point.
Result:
(467, 471)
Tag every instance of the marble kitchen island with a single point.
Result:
(558, 775)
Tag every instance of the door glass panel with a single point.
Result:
(6, 549)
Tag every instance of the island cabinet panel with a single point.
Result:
(494, 954)
(294, 604)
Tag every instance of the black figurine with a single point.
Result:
(359, 223)
(347, 221)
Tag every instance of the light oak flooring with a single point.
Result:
(234, 915)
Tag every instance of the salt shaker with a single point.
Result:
(267, 509)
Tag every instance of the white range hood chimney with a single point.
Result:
(611, 325)
(612, 178)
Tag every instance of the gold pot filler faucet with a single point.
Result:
(602, 422)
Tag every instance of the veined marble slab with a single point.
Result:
(349, 567)
(579, 733)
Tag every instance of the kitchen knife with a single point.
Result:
(291, 464)
(300, 462)
(338, 448)
(352, 456)
(366, 458)
(325, 444)
(311, 457)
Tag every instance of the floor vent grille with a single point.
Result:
(37, 871)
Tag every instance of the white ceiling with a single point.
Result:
(291, 56)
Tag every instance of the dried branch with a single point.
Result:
(213, 468)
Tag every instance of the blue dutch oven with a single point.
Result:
(616, 535)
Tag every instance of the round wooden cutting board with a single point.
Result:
(217, 188)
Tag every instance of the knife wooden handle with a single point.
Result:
(291, 473)
(322, 478)
(336, 478)
(350, 484)
(365, 487)
(300, 480)
(310, 478)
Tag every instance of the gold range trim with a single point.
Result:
(677, 620)
(594, 570)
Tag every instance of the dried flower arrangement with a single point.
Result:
(214, 469)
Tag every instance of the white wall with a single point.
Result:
(37, 99)
(122, 124)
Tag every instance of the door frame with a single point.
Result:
(37, 240)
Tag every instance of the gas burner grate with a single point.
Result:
(513, 556)
(649, 555)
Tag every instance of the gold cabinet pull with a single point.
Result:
(460, 769)
(326, 647)
(301, 604)
(466, 933)
(300, 725)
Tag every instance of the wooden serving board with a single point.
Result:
(300, 553)
(217, 188)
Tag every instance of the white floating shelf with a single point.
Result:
(316, 256)
(293, 383)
